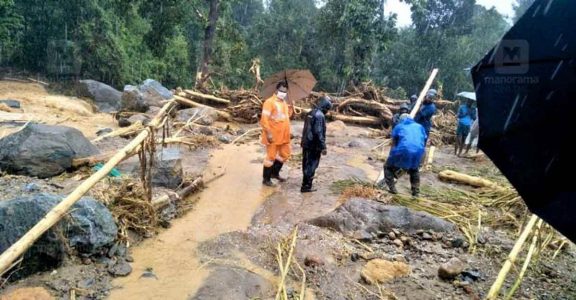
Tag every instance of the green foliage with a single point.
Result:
(10, 27)
(342, 42)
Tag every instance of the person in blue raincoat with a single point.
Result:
(408, 144)
(466, 116)
(404, 109)
(413, 100)
(314, 142)
(427, 111)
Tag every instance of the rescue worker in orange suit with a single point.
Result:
(275, 122)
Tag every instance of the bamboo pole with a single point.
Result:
(164, 200)
(493, 293)
(449, 175)
(416, 107)
(526, 261)
(54, 215)
(187, 102)
(206, 97)
(367, 120)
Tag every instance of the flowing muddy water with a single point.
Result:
(227, 204)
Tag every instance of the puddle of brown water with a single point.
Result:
(359, 161)
(227, 204)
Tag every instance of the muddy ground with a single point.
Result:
(225, 246)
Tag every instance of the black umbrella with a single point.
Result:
(526, 90)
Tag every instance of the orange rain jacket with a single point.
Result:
(275, 120)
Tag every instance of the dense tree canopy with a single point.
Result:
(342, 42)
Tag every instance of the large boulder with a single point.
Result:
(154, 87)
(43, 150)
(149, 94)
(133, 100)
(11, 103)
(363, 218)
(206, 116)
(105, 97)
(167, 169)
(89, 229)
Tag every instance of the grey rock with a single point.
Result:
(451, 269)
(206, 131)
(154, 87)
(43, 150)
(105, 97)
(205, 116)
(103, 131)
(142, 118)
(229, 283)
(120, 269)
(11, 103)
(357, 144)
(32, 188)
(133, 99)
(225, 139)
(89, 228)
(167, 171)
(362, 217)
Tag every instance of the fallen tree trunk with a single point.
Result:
(91, 160)
(56, 214)
(187, 102)
(449, 175)
(369, 121)
(377, 107)
(206, 97)
(186, 191)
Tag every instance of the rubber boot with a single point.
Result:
(307, 186)
(276, 167)
(266, 174)
(415, 191)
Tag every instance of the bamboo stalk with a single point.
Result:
(493, 293)
(207, 97)
(416, 107)
(187, 102)
(526, 261)
(286, 268)
(54, 215)
(449, 175)
(431, 155)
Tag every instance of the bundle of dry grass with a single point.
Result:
(126, 199)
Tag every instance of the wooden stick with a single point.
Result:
(164, 200)
(91, 160)
(54, 215)
(38, 81)
(368, 120)
(449, 175)
(526, 261)
(493, 293)
(206, 97)
(431, 155)
(416, 107)
(187, 102)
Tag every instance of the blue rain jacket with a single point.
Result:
(466, 115)
(424, 116)
(409, 144)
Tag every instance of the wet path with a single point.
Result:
(227, 204)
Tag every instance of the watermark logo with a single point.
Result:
(512, 57)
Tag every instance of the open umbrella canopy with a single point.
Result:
(527, 103)
(300, 84)
(468, 95)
